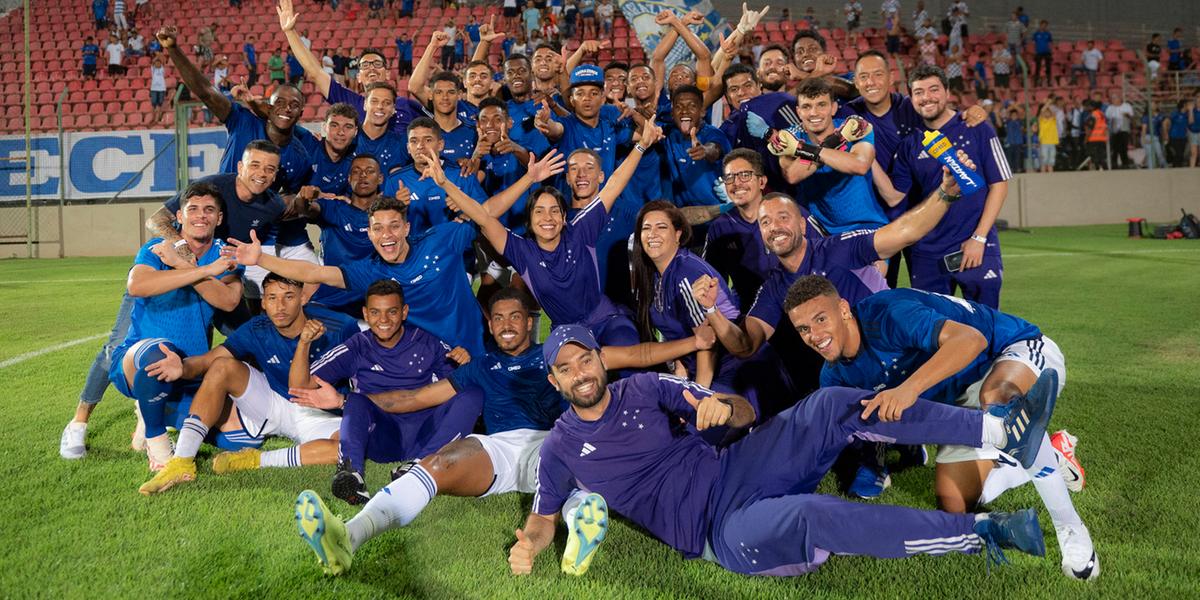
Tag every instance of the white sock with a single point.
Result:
(572, 503)
(190, 437)
(1003, 477)
(284, 457)
(993, 431)
(1051, 487)
(396, 505)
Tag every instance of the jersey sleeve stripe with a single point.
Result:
(693, 307)
(1000, 160)
(328, 357)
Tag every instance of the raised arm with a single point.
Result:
(421, 72)
(650, 134)
(487, 35)
(738, 341)
(658, 60)
(703, 55)
(145, 281)
(915, 223)
(587, 47)
(456, 199)
(649, 354)
(250, 254)
(313, 71)
(192, 77)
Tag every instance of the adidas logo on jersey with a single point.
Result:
(377, 368)
(990, 275)
(587, 449)
(348, 227)
(496, 367)
(274, 360)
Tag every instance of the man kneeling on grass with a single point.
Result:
(259, 395)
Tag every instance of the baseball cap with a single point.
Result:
(567, 334)
(587, 75)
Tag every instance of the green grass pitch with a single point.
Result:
(1125, 312)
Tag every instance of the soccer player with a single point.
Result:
(830, 163)
(457, 126)
(811, 60)
(431, 268)
(753, 119)
(520, 407)
(774, 68)
(502, 159)
(392, 355)
(548, 73)
(333, 154)
(426, 201)
(588, 126)
(693, 151)
(378, 135)
(344, 224)
(453, 107)
(248, 203)
(174, 301)
(650, 181)
(910, 343)
(746, 508)
(968, 232)
(259, 395)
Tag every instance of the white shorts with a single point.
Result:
(264, 412)
(252, 280)
(515, 458)
(1037, 355)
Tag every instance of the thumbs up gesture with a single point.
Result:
(710, 411)
(520, 556)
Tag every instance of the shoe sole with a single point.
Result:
(346, 489)
(1031, 530)
(1088, 573)
(168, 485)
(589, 527)
(310, 522)
(1046, 387)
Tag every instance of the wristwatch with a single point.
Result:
(980, 239)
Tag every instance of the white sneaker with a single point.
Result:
(159, 450)
(1079, 556)
(72, 446)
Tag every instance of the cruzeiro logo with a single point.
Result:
(587, 449)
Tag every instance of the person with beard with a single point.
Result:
(426, 200)
(519, 408)
(828, 161)
(344, 224)
(372, 68)
(969, 229)
(557, 260)
(378, 135)
(259, 395)
(773, 68)
(392, 355)
(755, 114)
(502, 161)
(698, 73)
(693, 151)
(174, 301)
(334, 152)
(247, 204)
(811, 61)
(752, 507)
(740, 83)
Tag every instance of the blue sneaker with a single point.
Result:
(1026, 417)
(1018, 530)
(586, 530)
(869, 484)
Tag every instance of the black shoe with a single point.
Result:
(348, 485)
(403, 468)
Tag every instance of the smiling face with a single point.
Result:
(680, 74)
(930, 98)
(816, 114)
(385, 314)
(781, 227)
(773, 69)
(823, 324)
(516, 77)
(511, 326)
(616, 83)
(388, 232)
(286, 107)
(281, 303)
(546, 64)
(740, 88)
(340, 132)
(658, 236)
(742, 185)
(686, 111)
(365, 177)
(805, 52)
(547, 219)
(641, 83)
(584, 175)
(579, 375)
(478, 81)
(380, 105)
(493, 124)
(198, 218)
(873, 79)
(371, 68)
(587, 100)
(257, 170)
(422, 141)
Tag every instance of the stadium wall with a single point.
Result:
(1034, 200)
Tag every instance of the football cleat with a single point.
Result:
(246, 459)
(1018, 530)
(71, 446)
(159, 451)
(1068, 464)
(324, 532)
(1079, 559)
(403, 468)
(586, 530)
(177, 470)
(910, 456)
(1025, 418)
(349, 486)
(869, 484)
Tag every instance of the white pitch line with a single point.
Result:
(20, 358)
(1100, 253)
(28, 281)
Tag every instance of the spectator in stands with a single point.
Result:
(406, 8)
(1014, 32)
(352, 71)
(604, 12)
(448, 46)
(275, 66)
(472, 35)
(919, 16)
(116, 54)
(250, 59)
(154, 48)
(520, 46)
(1073, 133)
(852, 10)
(925, 29)
(1176, 128)
(221, 74)
(959, 13)
(303, 37)
(981, 74)
(929, 51)
(158, 89)
(404, 55)
(1193, 117)
(570, 19)
(1095, 128)
(295, 69)
(1002, 63)
(892, 41)
(1175, 54)
(136, 43)
(100, 12)
(889, 11)
(587, 16)
(1014, 140)
(204, 43)
(549, 29)
(1043, 54)
(340, 63)
(119, 20)
(1090, 64)
(91, 53)
(1047, 132)
(955, 68)
(531, 18)
(1153, 140)
(809, 19)
(1154, 55)
(375, 9)
(327, 63)
(1119, 114)
(510, 13)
